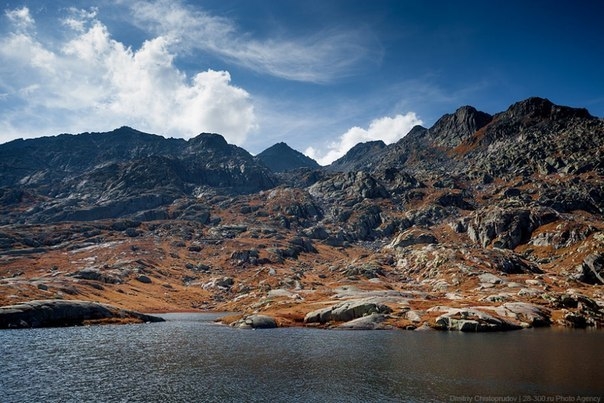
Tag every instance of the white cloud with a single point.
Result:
(78, 18)
(93, 82)
(319, 58)
(387, 129)
(20, 18)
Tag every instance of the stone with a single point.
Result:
(224, 283)
(413, 316)
(591, 270)
(143, 279)
(373, 321)
(489, 278)
(98, 275)
(412, 237)
(318, 316)
(256, 322)
(472, 320)
(346, 311)
(528, 314)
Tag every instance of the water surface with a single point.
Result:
(189, 358)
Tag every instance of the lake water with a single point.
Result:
(189, 358)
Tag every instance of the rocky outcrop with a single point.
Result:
(527, 314)
(591, 270)
(104, 276)
(374, 321)
(412, 237)
(346, 311)
(471, 320)
(578, 310)
(350, 188)
(507, 227)
(57, 313)
(451, 129)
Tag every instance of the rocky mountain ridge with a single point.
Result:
(281, 158)
(124, 172)
(477, 223)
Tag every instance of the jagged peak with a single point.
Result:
(125, 129)
(359, 156)
(536, 107)
(212, 140)
(416, 131)
(127, 132)
(465, 117)
(278, 146)
(362, 148)
(451, 129)
(281, 157)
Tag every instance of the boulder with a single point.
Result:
(346, 311)
(412, 237)
(144, 279)
(591, 270)
(57, 313)
(373, 321)
(318, 316)
(224, 283)
(256, 322)
(529, 315)
(95, 274)
(489, 278)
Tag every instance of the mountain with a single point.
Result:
(123, 172)
(281, 157)
(480, 222)
(533, 136)
(359, 157)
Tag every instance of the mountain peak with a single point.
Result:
(451, 129)
(542, 108)
(280, 158)
(209, 141)
(358, 157)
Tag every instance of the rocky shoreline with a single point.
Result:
(388, 310)
(60, 313)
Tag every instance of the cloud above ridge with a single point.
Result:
(89, 81)
(387, 129)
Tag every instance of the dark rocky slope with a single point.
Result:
(121, 173)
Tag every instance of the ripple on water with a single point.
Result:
(189, 358)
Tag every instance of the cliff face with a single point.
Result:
(477, 223)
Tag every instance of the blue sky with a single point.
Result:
(320, 75)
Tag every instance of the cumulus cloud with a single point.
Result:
(319, 58)
(387, 129)
(20, 18)
(91, 81)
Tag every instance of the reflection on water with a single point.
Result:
(189, 358)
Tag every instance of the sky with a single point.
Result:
(319, 75)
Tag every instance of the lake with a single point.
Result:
(190, 358)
